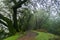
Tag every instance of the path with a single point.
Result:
(29, 36)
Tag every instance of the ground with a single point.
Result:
(28, 36)
(33, 35)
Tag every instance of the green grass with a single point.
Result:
(14, 37)
(40, 36)
(44, 36)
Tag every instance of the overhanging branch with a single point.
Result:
(3, 23)
(14, 1)
(19, 4)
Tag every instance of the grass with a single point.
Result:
(14, 37)
(40, 36)
(44, 36)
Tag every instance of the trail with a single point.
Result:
(29, 36)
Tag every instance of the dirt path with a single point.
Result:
(29, 36)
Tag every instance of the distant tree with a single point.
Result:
(25, 19)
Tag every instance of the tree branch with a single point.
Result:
(3, 23)
(14, 1)
(19, 4)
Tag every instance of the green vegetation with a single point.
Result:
(14, 37)
(18, 16)
(40, 36)
(44, 36)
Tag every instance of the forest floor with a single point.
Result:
(29, 36)
(33, 35)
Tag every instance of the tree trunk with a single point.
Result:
(15, 24)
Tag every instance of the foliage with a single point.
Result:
(38, 19)
(44, 36)
(14, 37)
(9, 23)
(24, 19)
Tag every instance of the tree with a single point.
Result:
(25, 19)
(12, 25)
(15, 7)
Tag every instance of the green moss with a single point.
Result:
(14, 37)
(44, 36)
